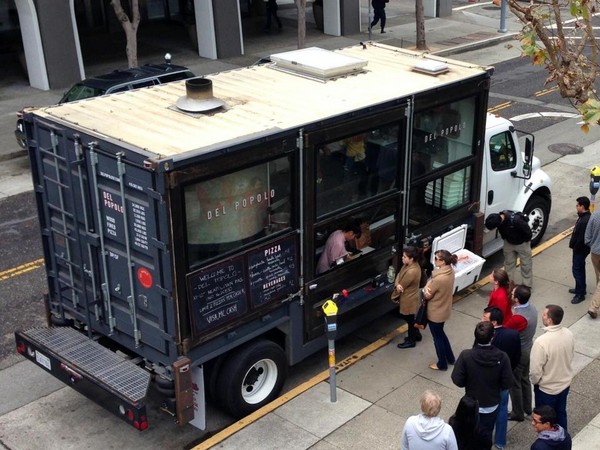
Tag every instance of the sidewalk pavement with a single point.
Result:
(378, 393)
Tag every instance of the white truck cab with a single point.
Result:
(512, 179)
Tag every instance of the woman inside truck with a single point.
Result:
(335, 252)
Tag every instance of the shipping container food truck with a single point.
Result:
(183, 224)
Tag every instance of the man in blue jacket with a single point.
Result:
(484, 371)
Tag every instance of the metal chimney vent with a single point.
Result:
(199, 96)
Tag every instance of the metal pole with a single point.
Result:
(332, 389)
(502, 17)
(370, 19)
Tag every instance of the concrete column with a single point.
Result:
(51, 43)
(219, 28)
(341, 17)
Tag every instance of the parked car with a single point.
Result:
(119, 80)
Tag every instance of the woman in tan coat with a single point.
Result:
(406, 293)
(438, 293)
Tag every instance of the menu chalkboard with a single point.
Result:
(272, 271)
(218, 294)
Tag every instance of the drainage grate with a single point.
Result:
(565, 149)
(93, 360)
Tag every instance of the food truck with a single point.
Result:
(182, 224)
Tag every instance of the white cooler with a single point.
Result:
(469, 264)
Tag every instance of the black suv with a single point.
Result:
(117, 81)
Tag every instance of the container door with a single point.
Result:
(353, 186)
(104, 239)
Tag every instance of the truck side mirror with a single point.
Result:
(528, 158)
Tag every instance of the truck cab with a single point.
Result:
(512, 180)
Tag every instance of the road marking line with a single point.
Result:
(20, 270)
(565, 115)
(500, 106)
(546, 91)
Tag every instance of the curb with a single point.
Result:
(476, 45)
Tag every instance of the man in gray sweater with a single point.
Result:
(592, 240)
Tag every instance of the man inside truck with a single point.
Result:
(335, 252)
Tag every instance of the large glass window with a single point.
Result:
(503, 155)
(356, 167)
(334, 246)
(232, 210)
(442, 136)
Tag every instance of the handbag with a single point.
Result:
(421, 315)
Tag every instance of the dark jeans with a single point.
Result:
(487, 422)
(520, 392)
(558, 402)
(578, 268)
(379, 14)
(443, 349)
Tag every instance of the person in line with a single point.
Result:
(580, 249)
(592, 240)
(484, 371)
(509, 342)
(465, 423)
(516, 233)
(438, 294)
(379, 13)
(551, 436)
(500, 296)
(427, 430)
(551, 369)
(406, 293)
(524, 320)
(272, 12)
(335, 248)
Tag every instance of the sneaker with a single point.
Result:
(572, 291)
(578, 299)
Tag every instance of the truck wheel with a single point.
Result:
(251, 377)
(538, 209)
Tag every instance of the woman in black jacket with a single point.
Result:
(465, 423)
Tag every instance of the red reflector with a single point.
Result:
(21, 348)
(144, 277)
(130, 414)
(143, 425)
(136, 424)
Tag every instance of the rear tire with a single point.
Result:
(538, 210)
(251, 377)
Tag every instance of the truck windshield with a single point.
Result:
(230, 211)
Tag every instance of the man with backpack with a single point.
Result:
(514, 228)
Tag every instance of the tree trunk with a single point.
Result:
(130, 27)
(420, 21)
(301, 8)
